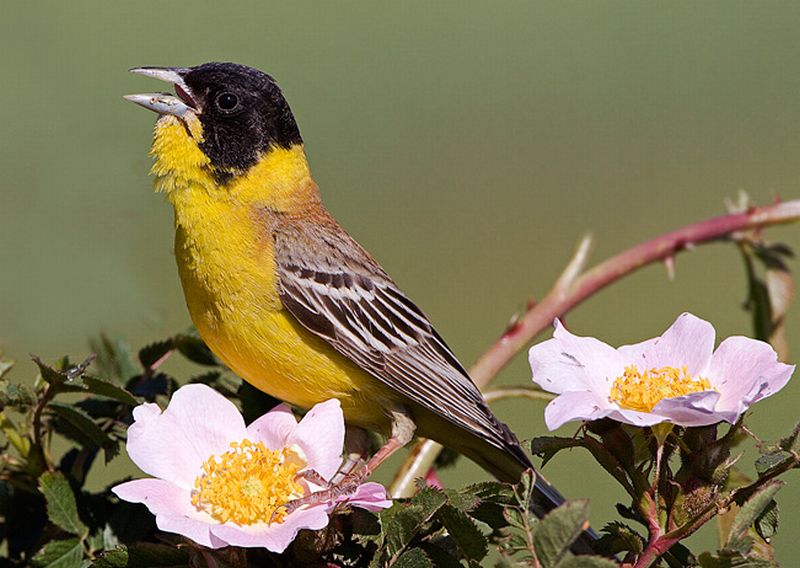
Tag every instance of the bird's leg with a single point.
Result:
(356, 443)
(402, 431)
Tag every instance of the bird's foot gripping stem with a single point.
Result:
(402, 432)
(331, 494)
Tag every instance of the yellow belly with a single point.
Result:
(230, 288)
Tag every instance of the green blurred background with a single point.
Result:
(467, 145)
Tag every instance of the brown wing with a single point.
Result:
(336, 290)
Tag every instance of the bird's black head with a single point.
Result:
(242, 111)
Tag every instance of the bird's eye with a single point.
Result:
(227, 102)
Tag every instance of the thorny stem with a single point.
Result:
(574, 286)
(660, 543)
(742, 493)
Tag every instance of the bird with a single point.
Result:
(284, 296)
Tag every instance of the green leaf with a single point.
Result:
(108, 390)
(143, 555)
(619, 537)
(709, 560)
(586, 562)
(749, 512)
(151, 354)
(116, 558)
(61, 507)
(193, 348)
(401, 523)
(414, 558)
(790, 442)
(548, 446)
(766, 524)
(463, 500)
(558, 530)
(20, 397)
(464, 532)
(440, 557)
(768, 462)
(48, 373)
(60, 554)
(82, 421)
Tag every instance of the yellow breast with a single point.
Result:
(223, 248)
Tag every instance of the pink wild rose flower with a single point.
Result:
(677, 378)
(218, 482)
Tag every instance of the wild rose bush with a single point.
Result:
(220, 460)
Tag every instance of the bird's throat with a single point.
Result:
(279, 180)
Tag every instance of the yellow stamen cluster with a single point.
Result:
(248, 483)
(643, 390)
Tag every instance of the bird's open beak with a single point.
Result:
(163, 103)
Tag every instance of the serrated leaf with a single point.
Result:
(586, 562)
(48, 373)
(401, 523)
(766, 524)
(491, 492)
(619, 537)
(62, 509)
(108, 390)
(150, 388)
(151, 354)
(462, 500)
(748, 513)
(464, 532)
(82, 421)
(194, 349)
(60, 554)
(440, 557)
(767, 462)
(413, 558)
(554, 534)
(143, 555)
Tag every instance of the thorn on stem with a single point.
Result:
(669, 264)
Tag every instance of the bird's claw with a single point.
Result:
(347, 486)
(314, 477)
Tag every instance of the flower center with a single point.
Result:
(248, 483)
(643, 390)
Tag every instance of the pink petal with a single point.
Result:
(694, 409)
(273, 428)
(635, 418)
(172, 507)
(744, 371)
(190, 529)
(571, 363)
(370, 496)
(574, 405)
(275, 537)
(320, 434)
(174, 444)
(689, 341)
